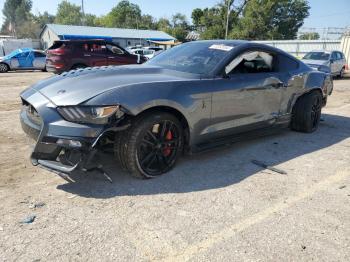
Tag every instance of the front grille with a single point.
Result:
(33, 115)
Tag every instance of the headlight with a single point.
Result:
(88, 115)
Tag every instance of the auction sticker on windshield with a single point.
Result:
(221, 47)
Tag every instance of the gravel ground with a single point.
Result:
(215, 206)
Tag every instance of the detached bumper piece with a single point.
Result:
(57, 166)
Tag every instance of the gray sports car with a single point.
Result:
(190, 98)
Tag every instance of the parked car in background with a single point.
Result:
(192, 97)
(144, 52)
(334, 60)
(65, 55)
(155, 48)
(23, 59)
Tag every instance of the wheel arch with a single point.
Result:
(8, 66)
(171, 110)
(314, 82)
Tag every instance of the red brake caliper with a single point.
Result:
(167, 150)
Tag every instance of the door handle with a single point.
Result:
(111, 57)
(87, 55)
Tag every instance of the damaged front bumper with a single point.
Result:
(61, 146)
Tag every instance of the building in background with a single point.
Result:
(122, 37)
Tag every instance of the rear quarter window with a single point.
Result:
(57, 45)
(286, 64)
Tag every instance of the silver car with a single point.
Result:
(23, 59)
(334, 60)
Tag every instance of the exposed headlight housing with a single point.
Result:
(88, 115)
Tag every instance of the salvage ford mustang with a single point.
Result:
(187, 99)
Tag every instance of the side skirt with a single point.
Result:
(226, 141)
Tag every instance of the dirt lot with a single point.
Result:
(216, 206)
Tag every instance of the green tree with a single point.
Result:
(163, 24)
(16, 14)
(196, 16)
(179, 27)
(90, 20)
(211, 22)
(68, 14)
(148, 22)
(44, 18)
(309, 36)
(271, 19)
(124, 15)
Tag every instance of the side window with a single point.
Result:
(252, 62)
(97, 48)
(84, 47)
(339, 56)
(114, 50)
(22, 55)
(286, 64)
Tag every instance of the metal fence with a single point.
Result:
(301, 47)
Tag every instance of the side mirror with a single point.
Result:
(331, 60)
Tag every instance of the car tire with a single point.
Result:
(307, 113)
(341, 73)
(151, 146)
(4, 68)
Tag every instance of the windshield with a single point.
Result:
(317, 56)
(196, 58)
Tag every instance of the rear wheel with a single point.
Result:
(341, 73)
(3, 68)
(307, 113)
(152, 145)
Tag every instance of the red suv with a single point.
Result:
(65, 55)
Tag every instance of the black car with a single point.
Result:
(188, 98)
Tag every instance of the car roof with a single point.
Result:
(228, 42)
(321, 51)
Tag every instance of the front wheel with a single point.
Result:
(152, 145)
(3, 68)
(307, 112)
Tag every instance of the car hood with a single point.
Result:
(315, 62)
(78, 86)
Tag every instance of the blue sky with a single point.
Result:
(323, 13)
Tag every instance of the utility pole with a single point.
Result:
(82, 13)
(227, 17)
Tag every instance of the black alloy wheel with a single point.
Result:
(151, 146)
(158, 149)
(316, 112)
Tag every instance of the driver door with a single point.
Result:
(249, 97)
